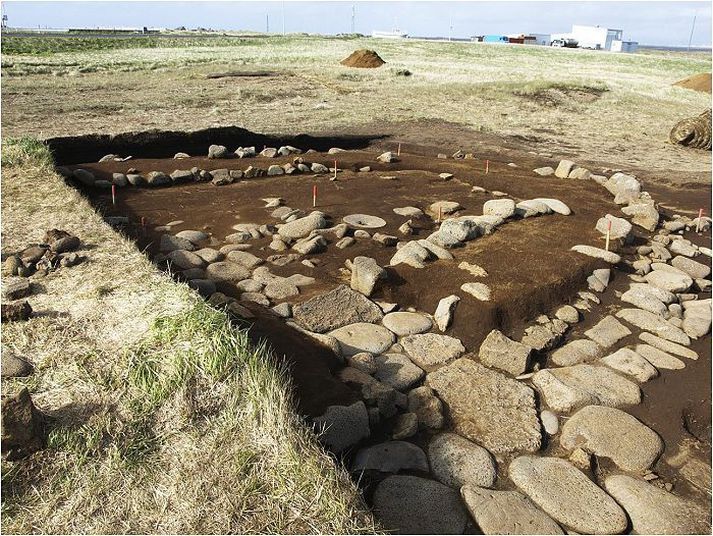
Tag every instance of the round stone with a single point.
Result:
(455, 461)
(363, 337)
(397, 370)
(404, 323)
(364, 221)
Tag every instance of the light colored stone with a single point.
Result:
(530, 208)
(568, 314)
(670, 281)
(648, 298)
(567, 495)
(506, 512)
(614, 434)
(427, 407)
(500, 352)
(575, 352)
(567, 388)
(302, 227)
(630, 363)
(409, 212)
(607, 332)
(344, 426)
(555, 205)
(544, 171)
(227, 271)
(430, 350)
(445, 310)
(667, 346)
(405, 323)
(502, 208)
(550, 422)
(412, 254)
(363, 337)
(487, 407)
(564, 168)
(479, 291)
(620, 228)
(365, 274)
(659, 358)
(694, 269)
(455, 461)
(397, 370)
(597, 253)
(653, 510)
(655, 324)
(643, 214)
(413, 505)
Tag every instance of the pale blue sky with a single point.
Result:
(660, 23)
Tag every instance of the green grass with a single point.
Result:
(162, 416)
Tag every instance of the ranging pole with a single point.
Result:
(353, 18)
(693, 27)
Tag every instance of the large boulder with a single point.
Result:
(413, 505)
(397, 370)
(500, 352)
(363, 337)
(502, 208)
(612, 433)
(336, 308)
(655, 324)
(575, 352)
(607, 331)
(620, 228)
(455, 461)
(567, 495)
(644, 215)
(506, 512)
(365, 274)
(406, 323)
(302, 227)
(488, 407)
(669, 280)
(628, 362)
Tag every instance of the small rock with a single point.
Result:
(445, 310)
(406, 425)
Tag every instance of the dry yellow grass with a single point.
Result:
(163, 417)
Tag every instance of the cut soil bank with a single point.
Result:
(697, 82)
(363, 59)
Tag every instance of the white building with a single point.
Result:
(393, 34)
(598, 38)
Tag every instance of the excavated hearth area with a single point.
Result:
(489, 346)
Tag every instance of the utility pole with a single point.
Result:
(450, 27)
(693, 27)
(353, 18)
(267, 23)
(283, 17)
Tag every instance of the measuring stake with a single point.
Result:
(440, 214)
(335, 170)
(113, 194)
(606, 246)
(487, 166)
(398, 152)
(314, 195)
(700, 217)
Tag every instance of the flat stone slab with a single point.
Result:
(363, 337)
(567, 388)
(397, 370)
(655, 324)
(487, 407)
(627, 361)
(694, 269)
(413, 505)
(506, 512)
(364, 221)
(575, 352)
(455, 461)
(500, 352)
(648, 298)
(597, 253)
(567, 495)
(614, 434)
(653, 510)
(302, 227)
(336, 308)
(659, 358)
(391, 457)
(607, 332)
(430, 350)
(227, 271)
(405, 323)
(671, 281)
(479, 291)
(667, 346)
(555, 205)
(408, 212)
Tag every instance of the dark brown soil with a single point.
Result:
(363, 59)
(697, 82)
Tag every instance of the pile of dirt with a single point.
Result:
(697, 82)
(363, 59)
(693, 131)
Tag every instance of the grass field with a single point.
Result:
(164, 419)
(617, 106)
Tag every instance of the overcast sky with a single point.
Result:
(660, 23)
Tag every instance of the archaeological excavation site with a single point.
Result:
(485, 345)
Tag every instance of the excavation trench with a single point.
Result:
(531, 268)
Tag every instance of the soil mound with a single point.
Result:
(363, 59)
(697, 82)
(693, 131)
